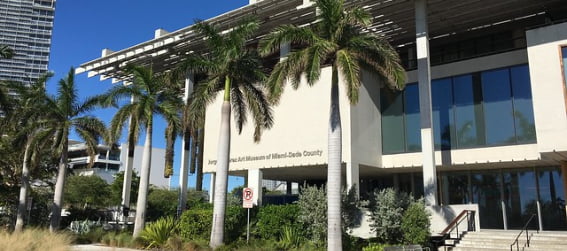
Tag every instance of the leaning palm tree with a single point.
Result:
(28, 126)
(65, 113)
(6, 51)
(235, 70)
(337, 40)
(150, 97)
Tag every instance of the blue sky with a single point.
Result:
(83, 28)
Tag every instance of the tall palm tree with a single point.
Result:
(29, 132)
(6, 51)
(338, 40)
(151, 96)
(236, 70)
(65, 113)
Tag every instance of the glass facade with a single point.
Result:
(480, 109)
(511, 193)
(26, 27)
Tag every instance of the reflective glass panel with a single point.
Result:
(468, 111)
(552, 199)
(520, 197)
(392, 121)
(498, 112)
(412, 121)
(443, 117)
(455, 188)
(523, 107)
(486, 192)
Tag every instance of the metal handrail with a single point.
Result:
(454, 225)
(517, 242)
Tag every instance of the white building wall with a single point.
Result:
(298, 137)
(157, 165)
(550, 113)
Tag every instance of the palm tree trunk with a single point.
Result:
(58, 196)
(199, 182)
(127, 183)
(144, 182)
(334, 234)
(219, 203)
(23, 191)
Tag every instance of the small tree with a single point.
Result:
(116, 188)
(87, 191)
(415, 224)
(387, 213)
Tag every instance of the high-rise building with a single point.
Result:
(26, 26)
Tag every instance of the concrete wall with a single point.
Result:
(441, 216)
(157, 164)
(544, 52)
(298, 137)
(366, 124)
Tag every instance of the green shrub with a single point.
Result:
(387, 212)
(375, 247)
(156, 234)
(313, 212)
(273, 219)
(291, 237)
(195, 224)
(415, 224)
(161, 202)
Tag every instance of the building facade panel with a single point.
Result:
(544, 50)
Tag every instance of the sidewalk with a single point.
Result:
(95, 247)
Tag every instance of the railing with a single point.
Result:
(469, 216)
(517, 242)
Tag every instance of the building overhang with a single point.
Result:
(394, 19)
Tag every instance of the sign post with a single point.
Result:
(247, 202)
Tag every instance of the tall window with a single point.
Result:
(480, 109)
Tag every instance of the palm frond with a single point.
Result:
(350, 69)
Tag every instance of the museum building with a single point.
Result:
(482, 120)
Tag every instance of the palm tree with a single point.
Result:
(236, 70)
(338, 40)
(66, 112)
(6, 51)
(27, 123)
(150, 95)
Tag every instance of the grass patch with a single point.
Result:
(34, 240)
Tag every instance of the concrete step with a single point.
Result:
(500, 240)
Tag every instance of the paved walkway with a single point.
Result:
(95, 247)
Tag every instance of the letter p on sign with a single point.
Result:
(247, 195)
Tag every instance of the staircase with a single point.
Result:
(500, 240)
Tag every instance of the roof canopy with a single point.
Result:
(392, 18)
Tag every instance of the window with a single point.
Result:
(412, 120)
(443, 113)
(392, 121)
(489, 108)
(498, 112)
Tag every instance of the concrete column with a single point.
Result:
(212, 187)
(255, 182)
(424, 83)
(353, 176)
(288, 187)
(128, 165)
(185, 153)
(564, 178)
